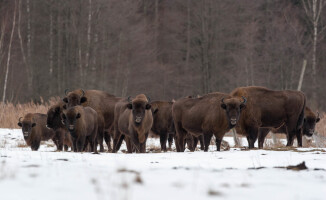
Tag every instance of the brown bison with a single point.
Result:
(211, 114)
(62, 137)
(164, 127)
(270, 109)
(81, 122)
(133, 121)
(308, 129)
(103, 103)
(163, 122)
(34, 129)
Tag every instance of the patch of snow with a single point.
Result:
(46, 174)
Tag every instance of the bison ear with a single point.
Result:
(83, 99)
(20, 124)
(33, 124)
(65, 100)
(129, 106)
(148, 106)
(317, 120)
(223, 105)
(242, 106)
(63, 116)
(78, 116)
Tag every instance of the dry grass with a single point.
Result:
(10, 113)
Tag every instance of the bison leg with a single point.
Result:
(299, 137)
(107, 138)
(201, 140)
(128, 144)
(194, 145)
(100, 141)
(80, 143)
(163, 139)
(180, 136)
(218, 143)
(262, 135)
(252, 137)
(170, 140)
(117, 146)
(66, 147)
(35, 145)
(290, 138)
(207, 140)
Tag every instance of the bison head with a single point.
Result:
(27, 126)
(69, 118)
(74, 99)
(309, 124)
(233, 107)
(54, 118)
(138, 107)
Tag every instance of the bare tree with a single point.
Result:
(9, 55)
(313, 10)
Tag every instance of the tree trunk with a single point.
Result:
(51, 49)
(302, 74)
(9, 54)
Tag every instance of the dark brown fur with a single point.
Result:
(34, 129)
(103, 103)
(205, 115)
(270, 109)
(163, 122)
(127, 125)
(81, 122)
(310, 121)
(62, 137)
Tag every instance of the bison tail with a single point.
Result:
(301, 116)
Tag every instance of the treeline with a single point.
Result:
(165, 49)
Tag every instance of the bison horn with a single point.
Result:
(66, 91)
(244, 100)
(82, 92)
(19, 119)
(148, 99)
(317, 114)
(129, 100)
(222, 100)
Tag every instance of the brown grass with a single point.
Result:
(10, 113)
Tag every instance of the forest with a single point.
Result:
(165, 49)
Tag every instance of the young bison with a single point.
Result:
(62, 137)
(34, 129)
(81, 122)
(133, 119)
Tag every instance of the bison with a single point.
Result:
(133, 121)
(163, 122)
(270, 109)
(212, 114)
(82, 123)
(309, 123)
(34, 129)
(62, 137)
(103, 103)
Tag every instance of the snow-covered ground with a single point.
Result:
(47, 174)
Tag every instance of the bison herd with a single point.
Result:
(85, 119)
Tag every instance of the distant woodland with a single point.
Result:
(164, 48)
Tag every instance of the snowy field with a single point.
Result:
(233, 174)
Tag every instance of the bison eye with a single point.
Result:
(64, 116)
(78, 116)
(223, 106)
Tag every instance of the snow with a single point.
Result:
(47, 174)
